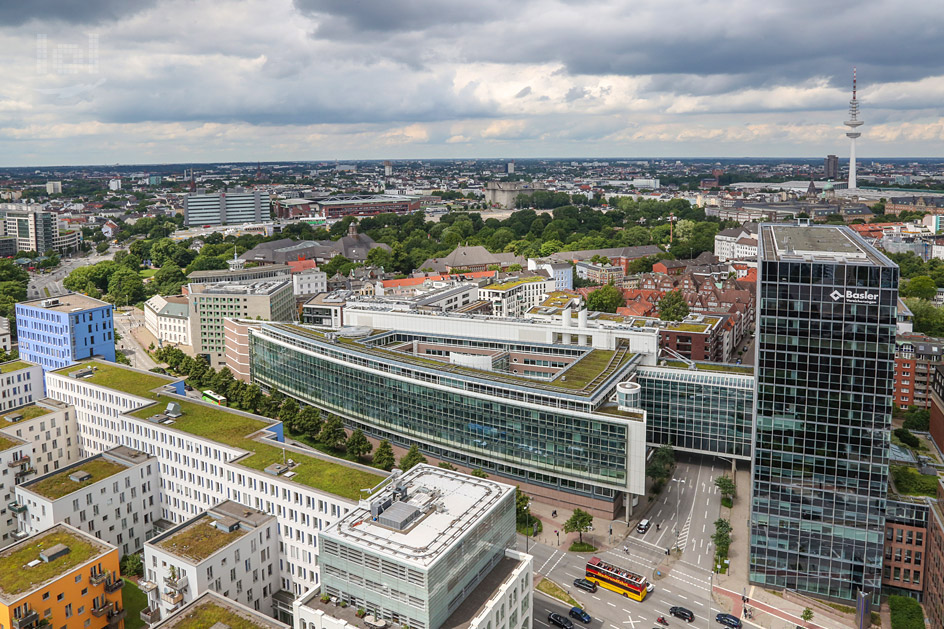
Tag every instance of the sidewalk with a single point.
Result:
(770, 610)
(599, 536)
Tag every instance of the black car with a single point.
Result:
(583, 584)
(579, 614)
(729, 620)
(560, 621)
(684, 614)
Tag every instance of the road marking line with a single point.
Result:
(699, 603)
(596, 597)
(610, 604)
(541, 569)
(683, 597)
(627, 611)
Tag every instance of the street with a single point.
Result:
(126, 319)
(53, 280)
(690, 505)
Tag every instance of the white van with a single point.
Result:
(643, 526)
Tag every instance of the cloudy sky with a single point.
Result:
(144, 81)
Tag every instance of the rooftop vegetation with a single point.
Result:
(16, 577)
(207, 615)
(198, 540)
(29, 412)
(59, 484)
(15, 365)
(120, 378)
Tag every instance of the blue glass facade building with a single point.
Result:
(59, 332)
(825, 371)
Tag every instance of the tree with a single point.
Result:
(357, 444)
(288, 414)
(479, 473)
(102, 247)
(309, 421)
(448, 466)
(132, 565)
(412, 458)
(922, 287)
(383, 456)
(332, 433)
(725, 485)
(125, 287)
(168, 279)
(579, 522)
(606, 299)
(722, 536)
(522, 506)
(807, 615)
(673, 307)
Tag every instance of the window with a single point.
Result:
(69, 610)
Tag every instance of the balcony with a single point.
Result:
(100, 609)
(172, 598)
(114, 586)
(23, 460)
(16, 507)
(25, 472)
(150, 616)
(176, 583)
(147, 586)
(117, 616)
(26, 620)
(21, 535)
(98, 578)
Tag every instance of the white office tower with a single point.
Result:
(853, 123)
(426, 551)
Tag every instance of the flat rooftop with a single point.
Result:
(818, 243)
(14, 365)
(89, 471)
(515, 282)
(73, 302)
(257, 288)
(746, 370)
(212, 610)
(450, 504)
(18, 578)
(478, 598)
(120, 378)
(197, 539)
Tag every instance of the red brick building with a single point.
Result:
(916, 356)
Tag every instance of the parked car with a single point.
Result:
(684, 614)
(579, 614)
(560, 621)
(587, 586)
(729, 620)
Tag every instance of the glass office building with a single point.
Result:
(569, 439)
(706, 411)
(825, 372)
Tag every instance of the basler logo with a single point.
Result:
(851, 296)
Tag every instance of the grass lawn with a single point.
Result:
(530, 528)
(552, 589)
(218, 424)
(134, 601)
(912, 483)
(117, 377)
(582, 547)
(147, 272)
(586, 369)
(59, 485)
(199, 540)
(15, 578)
(15, 365)
(209, 614)
(30, 412)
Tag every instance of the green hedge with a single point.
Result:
(906, 613)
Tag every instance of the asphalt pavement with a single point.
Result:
(689, 507)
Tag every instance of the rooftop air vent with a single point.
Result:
(173, 410)
(54, 552)
(79, 476)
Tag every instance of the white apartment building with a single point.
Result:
(112, 496)
(213, 605)
(6, 338)
(21, 383)
(561, 272)
(309, 282)
(168, 319)
(50, 427)
(231, 550)
(15, 463)
(515, 296)
(736, 243)
(745, 249)
(114, 184)
(199, 466)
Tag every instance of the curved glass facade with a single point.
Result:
(447, 415)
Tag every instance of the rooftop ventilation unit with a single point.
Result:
(173, 410)
(79, 476)
(399, 516)
(16, 417)
(226, 524)
(82, 373)
(54, 552)
(49, 303)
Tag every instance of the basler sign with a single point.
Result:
(863, 296)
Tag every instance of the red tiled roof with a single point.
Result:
(297, 266)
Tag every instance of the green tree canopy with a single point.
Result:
(606, 299)
(332, 433)
(412, 458)
(922, 287)
(357, 444)
(673, 307)
(579, 522)
(383, 456)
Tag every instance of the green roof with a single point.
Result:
(198, 540)
(515, 282)
(221, 425)
(59, 484)
(16, 577)
(120, 378)
(6, 443)
(701, 366)
(688, 327)
(15, 365)
(29, 412)
(206, 615)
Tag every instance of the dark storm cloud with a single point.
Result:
(19, 12)
(343, 17)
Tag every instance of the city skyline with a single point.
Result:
(161, 81)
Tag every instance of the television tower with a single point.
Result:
(853, 123)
